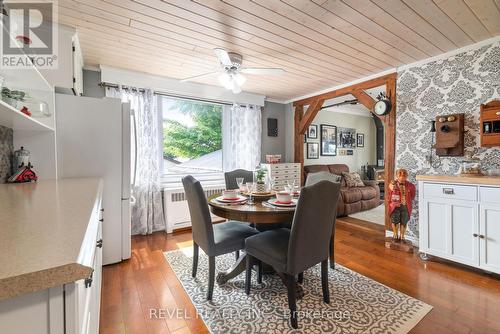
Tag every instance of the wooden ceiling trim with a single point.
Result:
(461, 14)
(364, 98)
(375, 82)
(244, 9)
(314, 27)
(310, 114)
(380, 32)
(382, 18)
(320, 56)
(442, 22)
(329, 19)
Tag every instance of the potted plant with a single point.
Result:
(260, 177)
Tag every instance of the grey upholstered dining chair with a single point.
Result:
(231, 176)
(213, 239)
(313, 178)
(291, 252)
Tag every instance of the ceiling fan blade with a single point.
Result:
(263, 71)
(198, 76)
(223, 56)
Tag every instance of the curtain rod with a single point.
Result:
(156, 92)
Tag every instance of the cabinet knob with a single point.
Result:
(102, 209)
(475, 235)
(101, 220)
(448, 191)
(99, 243)
(481, 236)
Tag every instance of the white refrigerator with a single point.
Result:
(94, 140)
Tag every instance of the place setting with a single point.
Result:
(230, 197)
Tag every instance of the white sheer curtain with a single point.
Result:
(147, 213)
(241, 132)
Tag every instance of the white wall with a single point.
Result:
(362, 124)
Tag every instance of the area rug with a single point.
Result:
(375, 215)
(358, 304)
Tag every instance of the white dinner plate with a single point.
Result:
(238, 199)
(275, 202)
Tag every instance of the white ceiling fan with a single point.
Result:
(231, 69)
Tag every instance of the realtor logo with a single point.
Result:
(29, 35)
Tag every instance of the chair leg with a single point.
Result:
(211, 277)
(292, 299)
(248, 274)
(332, 253)
(324, 281)
(300, 278)
(237, 254)
(196, 250)
(259, 272)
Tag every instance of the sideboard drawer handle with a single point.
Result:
(448, 191)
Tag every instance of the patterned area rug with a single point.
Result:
(358, 304)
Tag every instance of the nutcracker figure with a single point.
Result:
(401, 196)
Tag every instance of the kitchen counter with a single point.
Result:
(43, 227)
(485, 180)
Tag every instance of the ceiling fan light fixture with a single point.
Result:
(240, 79)
(225, 80)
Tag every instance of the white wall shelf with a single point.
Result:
(15, 119)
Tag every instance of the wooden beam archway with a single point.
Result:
(303, 118)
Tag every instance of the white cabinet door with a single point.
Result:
(490, 237)
(462, 237)
(434, 227)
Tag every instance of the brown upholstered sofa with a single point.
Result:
(351, 199)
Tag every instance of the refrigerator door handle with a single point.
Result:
(135, 149)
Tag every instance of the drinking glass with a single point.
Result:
(239, 182)
(291, 186)
(272, 183)
(251, 188)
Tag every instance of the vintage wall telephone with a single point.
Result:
(450, 135)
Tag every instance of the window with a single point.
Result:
(192, 140)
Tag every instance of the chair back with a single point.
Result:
(231, 176)
(313, 178)
(201, 222)
(312, 226)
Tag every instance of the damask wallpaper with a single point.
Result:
(459, 84)
(6, 148)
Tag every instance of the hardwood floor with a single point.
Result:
(464, 300)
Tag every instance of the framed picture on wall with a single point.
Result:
(328, 140)
(312, 132)
(312, 151)
(360, 142)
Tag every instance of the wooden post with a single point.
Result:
(298, 147)
(390, 145)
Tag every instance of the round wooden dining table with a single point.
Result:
(259, 213)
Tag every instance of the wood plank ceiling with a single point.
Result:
(320, 43)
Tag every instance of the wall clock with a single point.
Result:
(382, 107)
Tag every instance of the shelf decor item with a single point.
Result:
(23, 171)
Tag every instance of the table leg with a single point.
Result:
(238, 267)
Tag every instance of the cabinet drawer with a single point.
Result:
(489, 195)
(468, 193)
